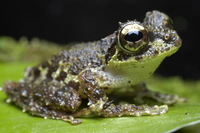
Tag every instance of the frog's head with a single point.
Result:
(154, 37)
(141, 47)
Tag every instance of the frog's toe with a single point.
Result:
(72, 120)
(157, 110)
(168, 98)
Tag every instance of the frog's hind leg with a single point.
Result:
(142, 91)
(112, 110)
(48, 101)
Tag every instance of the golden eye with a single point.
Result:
(133, 38)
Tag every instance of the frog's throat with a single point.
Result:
(134, 71)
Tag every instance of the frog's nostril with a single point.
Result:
(167, 37)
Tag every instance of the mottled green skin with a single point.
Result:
(56, 88)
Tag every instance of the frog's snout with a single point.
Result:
(178, 42)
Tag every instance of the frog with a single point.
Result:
(80, 79)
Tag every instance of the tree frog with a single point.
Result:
(80, 79)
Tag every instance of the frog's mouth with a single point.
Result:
(159, 48)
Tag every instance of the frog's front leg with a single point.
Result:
(99, 103)
(141, 91)
(96, 95)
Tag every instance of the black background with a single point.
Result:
(65, 21)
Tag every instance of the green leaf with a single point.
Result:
(12, 119)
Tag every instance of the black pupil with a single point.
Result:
(133, 36)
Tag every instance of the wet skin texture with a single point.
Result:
(90, 71)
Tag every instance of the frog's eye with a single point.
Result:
(133, 38)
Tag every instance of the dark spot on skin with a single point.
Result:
(74, 85)
(168, 23)
(142, 66)
(167, 49)
(111, 52)
(75, 69)
(107, 104)
(98, 93)
(45, 64)
(129, 82)
(121, 56)
(138, 58)
(151, 36)
(36, 72)
(61, 76)
(97, 63)
(51, 69)
(55, 59)
(103, 68)
(156, 52)
(54, 67)
(49, 73)
(64, 55)
(117, 109)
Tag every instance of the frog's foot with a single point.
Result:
(133, 110)
(161, 98)
(168, 99)
(112, 110)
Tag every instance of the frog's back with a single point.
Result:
(70, 62)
